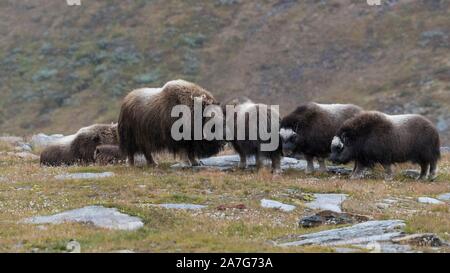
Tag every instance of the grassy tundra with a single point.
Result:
(26, 189)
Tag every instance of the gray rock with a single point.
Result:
(42, 140)
(429, 200)
(84, 176)
(444, 197)
(24, 155)
(266, 203)
(99, 216)
(180, 206)
(327, 202)
(363, 233)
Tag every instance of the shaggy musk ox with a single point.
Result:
(108, 154)
(374, 137)
(247, 146)
(310, 128)
(145, 122)
(79, 147)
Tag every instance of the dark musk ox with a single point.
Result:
(373, 137)
(79, 147)
(145, 122)
(253, 146)
(310, 128)
(108, 155)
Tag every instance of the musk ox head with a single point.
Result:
(342, 149)
(289, 140)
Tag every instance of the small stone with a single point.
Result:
(444, 197)
(266, 203)
(382, 205)
(426, 239)
(429, 200)
(327, 202)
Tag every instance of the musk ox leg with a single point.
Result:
(358, 172)
(149, 158)
(309, 164)
(259, 162)
(423, 171)
(194, 162)
(389, 175)
(433, 171)
(242, 160)
(322, 165)
(131, 159)
(276, 164)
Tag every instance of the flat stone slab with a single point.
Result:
(429, 200)
(266, 203)
(444, 197)
(84, 175)
(325, 201)
(180, 206)
(228, 162)
(363, 233)
(99, 216)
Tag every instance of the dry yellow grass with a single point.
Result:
(26, 189)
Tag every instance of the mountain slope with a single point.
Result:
(65, 67)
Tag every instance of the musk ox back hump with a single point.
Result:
(145, 120)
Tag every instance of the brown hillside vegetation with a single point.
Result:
(65, 67)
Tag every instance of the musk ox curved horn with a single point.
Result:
(337, 142)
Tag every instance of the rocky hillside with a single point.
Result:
(62, 67)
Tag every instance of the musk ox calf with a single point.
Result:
(310, 128)
(374, 137)
(79, 147)
(108, 155)
(145, 122)
(248, 113)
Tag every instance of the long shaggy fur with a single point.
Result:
(80, 147)
(249, 147)
(145, 121)
(373, 137)
(316, 124)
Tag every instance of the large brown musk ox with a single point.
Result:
(310, 128)
(374, 137)
(243, 106)
(79, 148)
(145, 122)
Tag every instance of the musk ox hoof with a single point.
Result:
(432, 177)
(357, 176)
(309, 171)
(242, 165)
(389, 177)
(277, 172)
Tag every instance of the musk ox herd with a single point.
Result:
(340, 133)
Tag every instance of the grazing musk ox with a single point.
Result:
(79, 147)
(374, 137)
(145, 122)
(243, 107)
(310, 128)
